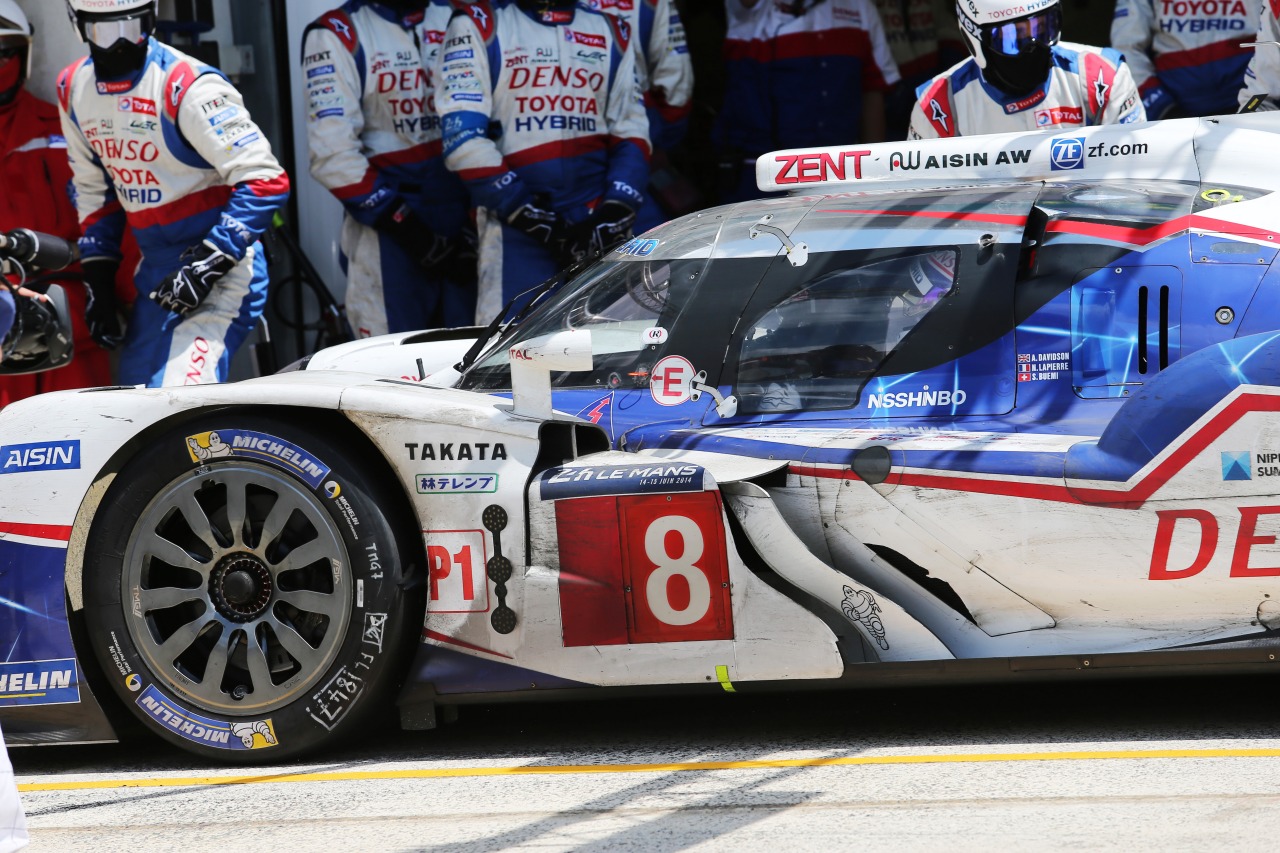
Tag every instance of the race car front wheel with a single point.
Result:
(244, 588)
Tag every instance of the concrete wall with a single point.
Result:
(57, 44)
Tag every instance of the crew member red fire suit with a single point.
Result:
(1263, 74)
(375, 142)
(800, 74)
(35, 181)
(666, 78)
(544, 122)
(172, 151)
(1185, 55)
(1086, 86)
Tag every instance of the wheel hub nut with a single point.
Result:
(241, 587)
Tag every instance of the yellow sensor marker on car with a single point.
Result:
(722, 675)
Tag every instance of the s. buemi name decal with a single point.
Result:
(597, 480)
(220, 734)
(1037, 367)
(42, 682)
(924, 397)
(226, 443)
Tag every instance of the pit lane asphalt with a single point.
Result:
(1185, 765)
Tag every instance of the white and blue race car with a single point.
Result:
(980, 408)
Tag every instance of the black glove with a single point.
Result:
(462, 267)
(538, 220)
(609, 225)
(427, 248)
(612, 223)
(189, 285)
(101, 313)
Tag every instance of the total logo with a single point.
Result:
(1059, 115)
(137, 105)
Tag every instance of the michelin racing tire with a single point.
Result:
(245, 592)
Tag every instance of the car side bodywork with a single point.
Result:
(781, 465)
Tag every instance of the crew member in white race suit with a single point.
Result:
(163, 142)
(1263, 75)
(544, 122)
(374, 135)
(665, 71)
(1185, 55)
(1020, 77)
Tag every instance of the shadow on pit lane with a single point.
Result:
(736, 726)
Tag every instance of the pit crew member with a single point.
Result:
(1185, 57)
(1262, 77)
(666, 79)
(374, 136)
(35, 178)
(798, 74)
(1021, 77)
(164, 143)
(544, 122)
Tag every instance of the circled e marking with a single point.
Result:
(671, 380)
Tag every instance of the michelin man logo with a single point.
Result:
(247, 732)
(207, 446)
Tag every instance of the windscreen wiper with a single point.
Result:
(498, 327)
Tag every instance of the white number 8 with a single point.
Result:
(655, 548)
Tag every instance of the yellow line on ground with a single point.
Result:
(540, 770)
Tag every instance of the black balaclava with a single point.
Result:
(1021, 74)
(546, 5)
(120, 60)
(124, 58)
(404, 7)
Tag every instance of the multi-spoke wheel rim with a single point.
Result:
(237, 588)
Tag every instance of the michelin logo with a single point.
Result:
(47, 682)
(255, 734)
(222, 444)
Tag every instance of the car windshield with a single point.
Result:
(818, 346)
(623, 304)
(790, 304)
(628, 301)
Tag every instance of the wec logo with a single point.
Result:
(1067, 154)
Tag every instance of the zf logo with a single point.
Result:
(1067, 154)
